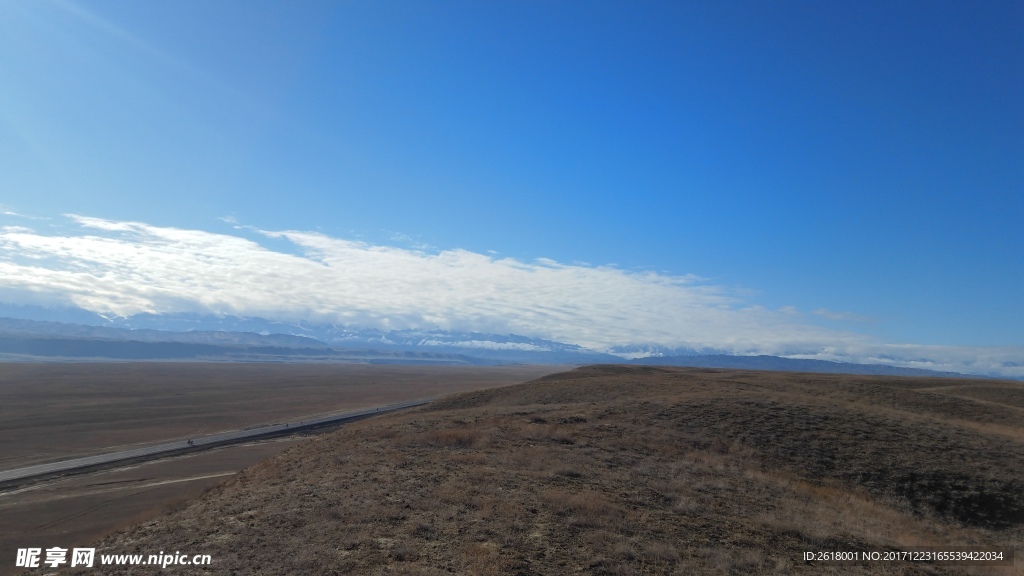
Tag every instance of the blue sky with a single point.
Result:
(852, 167)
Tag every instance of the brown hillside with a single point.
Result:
(628, 470)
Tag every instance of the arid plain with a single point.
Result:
(628, 470)
(51, 412)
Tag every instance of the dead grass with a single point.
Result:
(453, 437)
(622, 470)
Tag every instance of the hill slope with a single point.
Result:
(777, 363)
(628, 470)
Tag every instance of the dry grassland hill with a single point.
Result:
(629, 470)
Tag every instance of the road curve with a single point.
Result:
(17, 475)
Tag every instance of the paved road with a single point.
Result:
(54, 468)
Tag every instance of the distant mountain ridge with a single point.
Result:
(483, 348)
(47, 341)
(195, 337)
(16, 327)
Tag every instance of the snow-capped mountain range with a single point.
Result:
(35, 333)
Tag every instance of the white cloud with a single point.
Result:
(487, 344)
(125, 268)
(1007, 361)
(6, 210)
